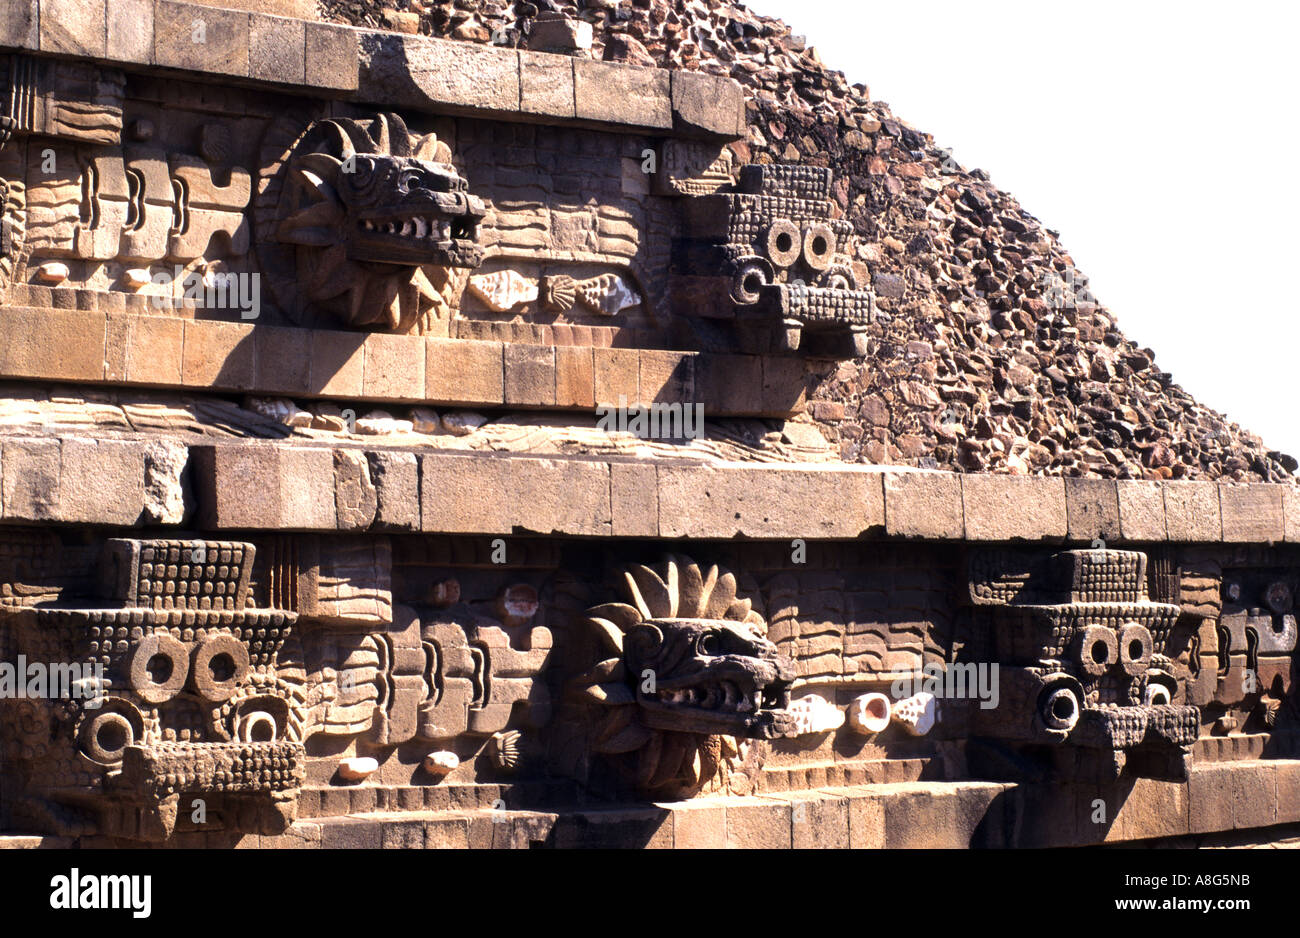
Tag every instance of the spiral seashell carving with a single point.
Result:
(559, 292)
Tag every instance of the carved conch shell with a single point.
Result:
(607, 294)
(357, 768)
(505, 749)
(503, 290)
(814, 714)
(916, 714)
(870, 713)
(441, 763)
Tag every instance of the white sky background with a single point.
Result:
(1158, 138)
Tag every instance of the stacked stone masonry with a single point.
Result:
(311, 337)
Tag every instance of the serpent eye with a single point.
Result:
(412, 180)
(709, 644)
(358, 172)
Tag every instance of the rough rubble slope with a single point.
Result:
(991, 355)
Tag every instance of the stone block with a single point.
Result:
(758, 823)
(441, 74)
(74, 27)
(19, 24)
(1013, 508)
(620, 828)
(101, 481)
(529, 375)
(1209, 797)
(1150, 808)
(57, 344)
(394, 368)
(130, 30)
(500, 495)
(237, 487)
(546, 84)
(403, 835)
(610, 92)
(1254, 794)
(707, 104)
(923, 504)
(345, 833)
(307, 488)
(1290, 514)
(575, 377)
(153, 350)
(1287, 776)
(818, 821)
(446, 833)
(396, 477)
(665, 377)
(699, 824)
(277, 49)
(337, 362)
(729, 384)
(555, 32)
(1251, 512)
(30, 481)
(1141, 510)
(616, 374)
(929, 815)
(331, 56)
(219, 355)
(785, 389)
(283, 360)
(634, 500)
(1092, 509)
(200, 39)
(464, 371)
(355, 499)
(1192, 511)
(730, 499)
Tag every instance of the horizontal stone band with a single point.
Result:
(434, 75)
(264, 485)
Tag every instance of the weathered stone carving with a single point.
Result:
(605, 294)
(57, 98)
(360, 222)
(787, 264)
(688, 661)
(191, 705)
(1082, 656)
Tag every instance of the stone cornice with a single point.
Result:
(379, 68)
(293, 486)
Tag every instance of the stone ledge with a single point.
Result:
(441, 76)
(93, 347)
(1214, 798)
(297, 485)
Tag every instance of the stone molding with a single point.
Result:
(95, 347)
(841, 812)
(265, 485)
(438, 76)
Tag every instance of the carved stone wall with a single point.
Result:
(290, 596)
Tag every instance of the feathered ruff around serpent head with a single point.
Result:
(687, 679)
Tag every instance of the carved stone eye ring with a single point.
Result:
(1058, 705)
(709, 645)
(818, 246)
(362, 172)
(1098, 649)
(1135, 648)
(219, 665)
(159, 668)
